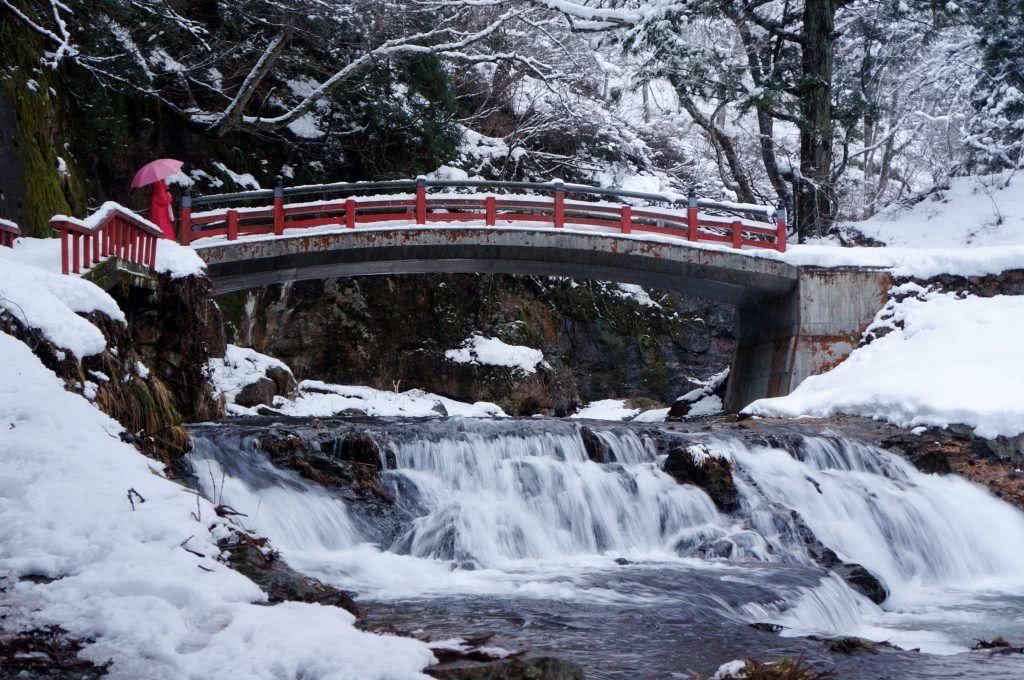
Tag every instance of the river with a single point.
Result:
(507, 525)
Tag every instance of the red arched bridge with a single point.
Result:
(793, 322)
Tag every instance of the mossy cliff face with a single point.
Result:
(32, 133)
(599, 340)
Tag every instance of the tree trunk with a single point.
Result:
(815, 204)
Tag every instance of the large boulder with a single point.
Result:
(697, 465)
(257, 393)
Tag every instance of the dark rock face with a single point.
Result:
(518, 668)
(391, 332)
(858, 578)
(251, 556)
(284, 382)
(260, 392)
(693, 464)
(597, 449)
(177, 329)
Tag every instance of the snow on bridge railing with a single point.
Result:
(111, 231)
(8, 232)
(247, 212)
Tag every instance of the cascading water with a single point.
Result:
(517, 508)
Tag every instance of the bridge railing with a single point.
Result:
(350, 204)
(8, 232)
(111, 231)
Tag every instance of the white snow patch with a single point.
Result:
(51, 302)
(240, 367)
(494, 352)
(320, 399)
(607, 409)
(637, 294)
(242, 179)
(944, 361)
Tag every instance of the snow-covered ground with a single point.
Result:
(974, 211)
(140, 581)
(945, 360)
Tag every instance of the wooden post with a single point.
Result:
(780, 229)
(232, 225)
(87, 251)
(626, 219)
(75, 254)
(559, 203)
(152, 251)
(96, 247)
(350, 214)
(185, 223)
(104, 240)
(421, 200)
(692, 222)
(278, 208)
(737, 234)
(490, 210)
(64, 251)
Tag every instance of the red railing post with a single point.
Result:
(737, 234)
(64, 252)
(559, 203)
(185, 222)
(421, 200)
(133, 242)
(692, 221)
(87, 251)
(780, 228)
(490, 210)
(626, 218)
(95, 247)
(75, 253)
(232, 225)
(152, 251)
(278, 208)
(350, 214)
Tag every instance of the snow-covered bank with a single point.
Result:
(945, 360)
(242, 367)
(123, 576)
(977, 211)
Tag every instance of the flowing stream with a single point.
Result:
(508, 526)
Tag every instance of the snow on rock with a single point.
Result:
(322, 399)
(637, 294)
(945, 360)
(240, 368)
(51, 302)
(177, 261)
(654, 415)
(731, 669)
(494, 352)
(607, 409)
(972, 211)
(123, 579)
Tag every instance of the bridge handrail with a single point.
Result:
(8, 232)
(550, 187)
(111, 231)
(416, 203)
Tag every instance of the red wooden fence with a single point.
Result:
(705, 221)
(112, 231)
(8, 232)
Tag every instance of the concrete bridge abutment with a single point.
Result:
(782, 341)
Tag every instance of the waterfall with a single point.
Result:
(517, 506)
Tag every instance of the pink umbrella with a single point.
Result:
(159, 169)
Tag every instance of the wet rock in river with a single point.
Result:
(597, 448)
(695, 464)
(256, 393)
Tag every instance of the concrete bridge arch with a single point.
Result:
(792, 321)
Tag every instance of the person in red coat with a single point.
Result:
(160, 211)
